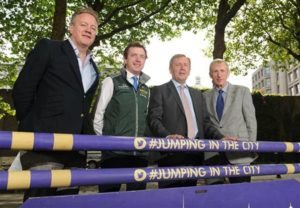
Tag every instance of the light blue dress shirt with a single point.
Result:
(87, 71)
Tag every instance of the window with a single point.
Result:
(267, 71)
(292, 91)
(290, 76)
(267, 82)
(297, 72)
(297, 88)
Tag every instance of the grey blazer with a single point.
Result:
(238, 119)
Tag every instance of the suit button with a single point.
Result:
(81, 115)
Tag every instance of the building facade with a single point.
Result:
(271, 80)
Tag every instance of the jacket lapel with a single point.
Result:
(229, 97)
(212, 103)
(173, 91)
(95, 83)
(195, 105)
(69, 51)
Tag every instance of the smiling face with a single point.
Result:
(83, 30)
(180, 68)
(135, 60)
(219, 73)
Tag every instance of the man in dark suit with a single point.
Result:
(179, 112)
(53, 94)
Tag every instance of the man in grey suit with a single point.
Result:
(178, 111)
(232, 112)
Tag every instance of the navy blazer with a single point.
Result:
(48, 94)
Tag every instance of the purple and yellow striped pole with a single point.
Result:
(63, 178)
(70, 142)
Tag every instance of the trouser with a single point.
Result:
(40, 161)
(123, 161)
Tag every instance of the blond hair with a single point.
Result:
(87, 10)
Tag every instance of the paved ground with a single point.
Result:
(14, 199)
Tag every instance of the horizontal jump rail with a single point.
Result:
(10, 180)
(73, 142)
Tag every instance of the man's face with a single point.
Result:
(135, 60)
(83, 30)
(219, 74)
(180, 69)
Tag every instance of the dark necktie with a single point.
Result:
(135, 83)
(220, 105)
(188, 113)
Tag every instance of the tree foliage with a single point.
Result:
(252, 29)
(24, 22)
(266, 30)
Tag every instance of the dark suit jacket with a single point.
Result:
(166, 113)
(166, 116)
(48, 94)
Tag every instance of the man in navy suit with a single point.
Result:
(169, 117)
(54, 91)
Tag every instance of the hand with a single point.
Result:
(175, 136)
(230, 138)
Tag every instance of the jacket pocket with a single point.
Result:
(53, 107)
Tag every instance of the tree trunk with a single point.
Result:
(219, 42)
(225, 14)
(59, 20)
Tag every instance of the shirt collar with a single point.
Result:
(225, 88)
(177, 84)
(89, 54)
(130, 75)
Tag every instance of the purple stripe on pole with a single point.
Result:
(102, 176)
(43, 141)
(40, 178)
(297, 147)
(93, 142)
(3, 180)
(5, 140)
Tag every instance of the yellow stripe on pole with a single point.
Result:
(63, 142)
(61, 178)
(289, 147)
(18, 180)
(22, 140)
(290, 168)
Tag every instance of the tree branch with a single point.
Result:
(127, 26)
(290, 51)
(115, 11)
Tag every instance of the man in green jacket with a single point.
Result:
(122, 111)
